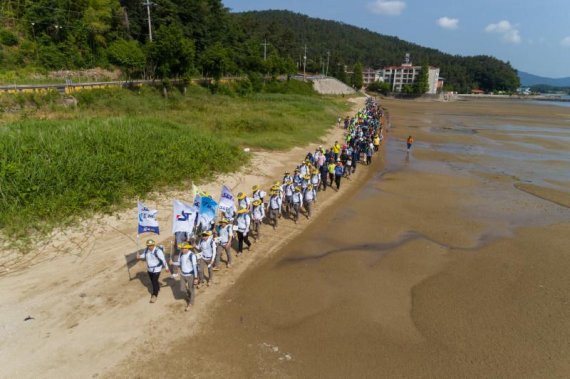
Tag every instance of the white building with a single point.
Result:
(370, 75)
(406, 74)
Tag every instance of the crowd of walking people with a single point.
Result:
(289, 198)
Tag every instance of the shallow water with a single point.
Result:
(429, 269)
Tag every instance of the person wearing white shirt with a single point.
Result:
(297, 200)
(207, 248)
(289, 190)
(257, 215)
(155, 262)
(187, 264)
(243, 201)
(225, 237)
(274, 206)
(243, 222)
(310, 196)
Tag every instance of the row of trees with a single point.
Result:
(190, 37)
(341, 46)
(201, 37)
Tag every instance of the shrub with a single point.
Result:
(8, 38)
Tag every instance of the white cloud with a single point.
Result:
(448, 23)
(509, 33)
(565, 41)
(387, 7)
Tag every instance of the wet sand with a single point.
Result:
(438, 266)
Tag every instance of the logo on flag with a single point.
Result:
(147, 219)
(226, 200)
(183, 217)
(208, 209)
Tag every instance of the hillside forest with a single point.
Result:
(202, 38)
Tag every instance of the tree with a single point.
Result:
(421, 86)
(171, 53)
(380, 87)
(215, 61)
(358, 80)
(127, 54)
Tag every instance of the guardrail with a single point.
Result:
(69, 88)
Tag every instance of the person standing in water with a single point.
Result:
(409, 143)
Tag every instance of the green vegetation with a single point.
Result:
(190, 38)
(288, 32)
(118, 144)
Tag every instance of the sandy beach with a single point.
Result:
(451, 261)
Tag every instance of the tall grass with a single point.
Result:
(120, 144)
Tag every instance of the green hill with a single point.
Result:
(288, 32)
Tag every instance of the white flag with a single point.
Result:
(227, 200)
(183, 217)
(147, 219)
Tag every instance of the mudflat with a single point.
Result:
(450, 261)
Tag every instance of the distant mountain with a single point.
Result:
(528, 80)
(338, 45)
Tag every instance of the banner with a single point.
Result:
(208, 209)
(147, 220)
(183, 217)
(227, 200)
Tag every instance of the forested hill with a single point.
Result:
(288, 32)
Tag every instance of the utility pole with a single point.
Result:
(147, 4)
(305, 64)
(264, 44)
(328, 60)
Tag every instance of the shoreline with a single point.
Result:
(104, 300)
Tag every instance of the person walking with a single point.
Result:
(207, 249)
(243, 223)
(338, 172)
(257, 216)
(331, 168)
(297, 200)
(324, 170)
(225, 237)
(289, 190)
(410, 142)
(274, 207)
(243, 201)
(155, 262)
(336, 150)
(310, 196)
(187, 264)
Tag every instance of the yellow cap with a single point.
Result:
(206, 233)
(243, 210)
(255, 188)
(241, 196)
(257, 202)
(150, 243)
(185, 245)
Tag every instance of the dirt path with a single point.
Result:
(79, 305)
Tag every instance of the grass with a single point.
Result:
(58, 163)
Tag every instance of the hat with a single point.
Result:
(224, 221)
(243, 210)
(185, 245)
(287, 173)
(241, 196)
(206, 233)
(297, 189)
(150, 243)
(307, 176)
(275, 187)
(273, 192)
(257, 202)
(314, 171)
(255, 188)
(277, 183)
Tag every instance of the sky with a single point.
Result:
(533, 35)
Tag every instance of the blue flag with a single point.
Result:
(208, 209)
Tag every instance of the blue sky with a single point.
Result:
(533, 35)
